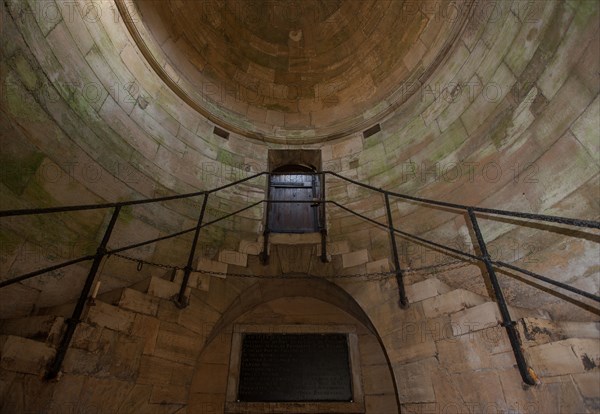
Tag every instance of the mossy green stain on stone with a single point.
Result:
(229, 158)
(26, 72)
(555, 30)
(19, 101)
(126, 214)
(449, 141)
(17, 172)
(498, 131)
(586, 10)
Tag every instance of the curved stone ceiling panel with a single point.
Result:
(294, 71)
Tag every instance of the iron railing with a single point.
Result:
(181, 301)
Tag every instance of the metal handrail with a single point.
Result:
(181, 301)
(532, 216)
(47, 210)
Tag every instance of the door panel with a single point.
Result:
(292, 217)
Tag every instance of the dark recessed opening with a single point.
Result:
(221, 132)
(371, 131)
(295, 368)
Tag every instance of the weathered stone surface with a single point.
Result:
(46, 328)
(382, 265)
(86, 119)
(426, 289)
(451, 302)
(146, 327)
(233, 257)
(417, 386)
(138, 302)
(111, 317)
(383, 404)
(25, 355)
(177, 344)
(355, 258)
(168, 394)
(164, 289)
(562, 357)
(212, 266)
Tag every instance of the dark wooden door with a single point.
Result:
(293, 217)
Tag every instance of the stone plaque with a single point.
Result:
(295, 368)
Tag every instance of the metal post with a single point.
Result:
(264, 255)
(73, 321)
(180, 300)
(323, 220)
(398, 270)
(507, 321)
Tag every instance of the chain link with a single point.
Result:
(450, 265)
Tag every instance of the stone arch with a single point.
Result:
(264, 292)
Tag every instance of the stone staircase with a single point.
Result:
(455, 336)
(297, 248)
(129, 336)
(127, 345)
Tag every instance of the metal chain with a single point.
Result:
(370, 276)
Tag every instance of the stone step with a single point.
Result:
(132, 299)
(451, 302)
(110, 316)
(64, 310)
(426, 289)
(295, 238)
(24, 355)
(487, 315)
(535, 331)
(569, 356)
(42, 328)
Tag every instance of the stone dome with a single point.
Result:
(295, 71)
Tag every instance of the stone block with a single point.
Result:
(146, 327)
(426, 289)
(89, 337)
(416, 385)
(381, 404)
(588, 384)
(155, 371)
(382, 265)
(104, 394)
(47, 328)
(25, 355)
(250, 247)
(294, 239)
(233, 257)
(588, 351)
(200, 281)
(168, 394)
(487, 315)
(481, 390)
(555, 358)
(111, 317)
(377, 379)
(412, 352)
(177, 344)
(82, 362)
(139, 302)
(337, 247)
(212, 266)
(585, 128)
(473, 351)
(210, 378)
(355, 258)
(164, 289)
(451, 302)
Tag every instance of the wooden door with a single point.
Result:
(293, 217)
